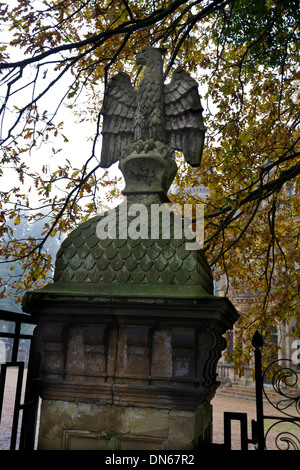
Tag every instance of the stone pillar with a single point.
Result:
(129, 331)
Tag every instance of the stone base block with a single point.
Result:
(90, 426)
(128, 375)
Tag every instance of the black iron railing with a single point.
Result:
(29, 407)
(284, 432)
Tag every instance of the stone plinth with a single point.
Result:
(127, 373)
(154, 177)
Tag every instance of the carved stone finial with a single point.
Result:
(169, 114)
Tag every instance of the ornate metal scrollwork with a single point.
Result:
(284, 381)
(284, 433)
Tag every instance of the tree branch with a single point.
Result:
(127, 27)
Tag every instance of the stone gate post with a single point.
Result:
(129, 331)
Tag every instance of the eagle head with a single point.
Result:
(150, 54)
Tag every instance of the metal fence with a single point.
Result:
(281, 430)
(18, 351)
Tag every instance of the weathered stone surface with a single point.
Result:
(131, 356)
(92, 427)
(169, 113)
(83, 257)
(154, 177)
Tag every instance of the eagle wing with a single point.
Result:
(184, 123)
(118, 111)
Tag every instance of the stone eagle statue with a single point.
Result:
(168, 113)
